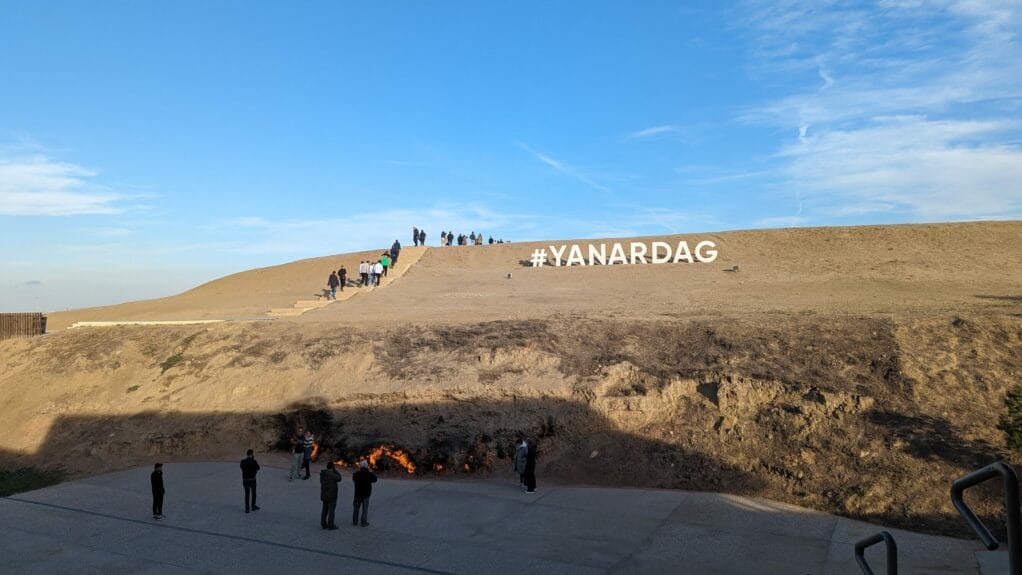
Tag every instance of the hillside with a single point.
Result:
(942, 268)
(853, 370)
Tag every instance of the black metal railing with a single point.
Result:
(892, 552)
(1011, 506)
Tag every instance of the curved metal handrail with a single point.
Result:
(1011, 505)
(892, 552)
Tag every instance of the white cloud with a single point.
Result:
(932, 169)
(566, 169)
(109, 232)
(651, 132)
(917, 110)
(39, 186)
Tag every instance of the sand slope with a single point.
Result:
(245, 295)
(870, 269)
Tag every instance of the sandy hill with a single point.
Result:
(870, 269)
(854, 370)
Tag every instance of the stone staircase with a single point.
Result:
(300, 307)
(409, 257)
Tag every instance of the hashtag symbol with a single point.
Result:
(538, 258)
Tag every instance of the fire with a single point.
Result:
(397, 455)
(438, 467)
(340, 463)
(315, 450)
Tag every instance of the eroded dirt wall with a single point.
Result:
(864, 416)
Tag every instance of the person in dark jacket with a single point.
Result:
(415, 235)
(249, 468)
(395, 250)
(422, 237)
(363, 480)
(156, 479)
(333, 282)
(342, 277)
(530, 468)
(328, 480)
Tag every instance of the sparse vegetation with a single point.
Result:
(28, 479)
(133, 388)
(170, 362)
(1011, 422)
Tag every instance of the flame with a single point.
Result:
(340, 463)
(398, 455)
(438, 467)
(315, 450)
(467, 468)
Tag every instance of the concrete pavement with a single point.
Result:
(103, 525)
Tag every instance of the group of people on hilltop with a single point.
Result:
(369, 271)
(418, 236)
(449, 239)
(472, 239)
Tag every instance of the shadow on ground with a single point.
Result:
(447, 437)
(454, 438)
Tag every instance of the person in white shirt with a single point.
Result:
(363, 273)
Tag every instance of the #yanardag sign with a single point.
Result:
(637, 253)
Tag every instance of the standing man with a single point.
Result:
(363, 480)
(520, 453)
(297, 454)
(333, 282)
(415, 235)
(156, 479)
(328, 480)
(307, 441)
(363, 272)
(385, 262)
(422, 237)
(530, 468)
(378, 270)
(342, 275)
(395, 250)
(249, 468)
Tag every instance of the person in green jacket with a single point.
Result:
(385, 260)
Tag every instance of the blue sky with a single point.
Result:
(147, 147)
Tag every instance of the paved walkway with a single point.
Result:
(104, 525)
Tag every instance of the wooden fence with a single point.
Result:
(21, 325)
